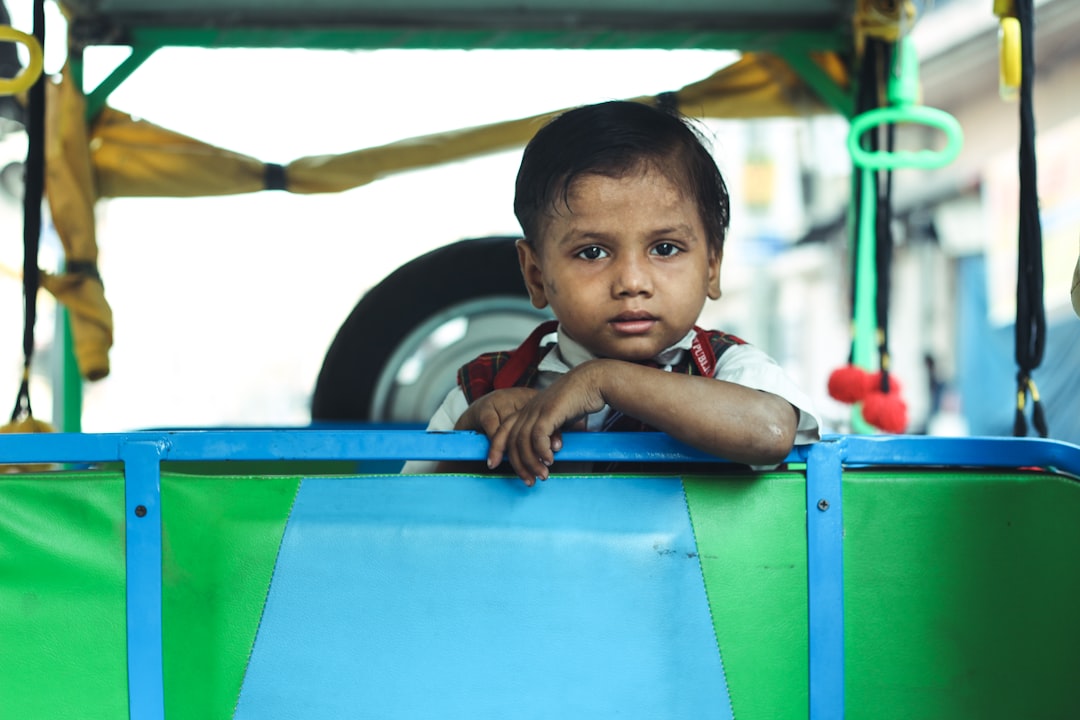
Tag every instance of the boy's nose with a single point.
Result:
(631, 278)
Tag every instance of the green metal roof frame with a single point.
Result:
(460, 23)
(791, 29)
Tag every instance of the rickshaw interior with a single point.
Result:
(418, 77)
(937, 584)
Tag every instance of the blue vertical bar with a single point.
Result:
(825, 575)
(142, 522)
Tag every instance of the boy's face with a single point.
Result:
(628, 270)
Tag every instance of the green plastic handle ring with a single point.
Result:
(919, 159)
(29, 74)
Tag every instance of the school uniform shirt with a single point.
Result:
(742, 364)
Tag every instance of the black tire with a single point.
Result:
(394, 331)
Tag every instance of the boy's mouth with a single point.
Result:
(633, 323)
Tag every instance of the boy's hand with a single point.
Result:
(490, 411)
(532, 435)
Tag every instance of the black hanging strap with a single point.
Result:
(1030, 312)
(32, 195)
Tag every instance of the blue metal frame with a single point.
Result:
(142, 529)
(825, 578)
(142, 454)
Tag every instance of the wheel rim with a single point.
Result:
(423, 368)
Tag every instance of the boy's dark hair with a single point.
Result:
(613, 139)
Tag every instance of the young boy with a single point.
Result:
(624, 214)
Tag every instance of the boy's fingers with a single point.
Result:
(523, 459)
(490, 425)
(512, 455)
(527, 462)
(542, 454)
(497, 447)
(542, 442)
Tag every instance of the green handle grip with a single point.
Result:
(912, 114)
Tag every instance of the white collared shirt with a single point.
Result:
(741, 364)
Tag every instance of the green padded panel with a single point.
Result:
(62, 600)
(219, 547)
(751, 537)
(62, 621)
(961, 595)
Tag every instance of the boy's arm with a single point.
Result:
(721, 418)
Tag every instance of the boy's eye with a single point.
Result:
(592, 253)
(666, 249)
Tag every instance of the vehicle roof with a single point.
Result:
(737, 24)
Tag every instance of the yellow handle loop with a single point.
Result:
(29, 74)
(1009, 52)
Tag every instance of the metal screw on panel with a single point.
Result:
(140, 511)
(823, 505)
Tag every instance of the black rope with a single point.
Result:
(883, 236)
(1030, 312)
(874, 69)
(32, 195)
(867, 97)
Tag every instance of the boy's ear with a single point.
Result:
(532, 273)
(716, 258)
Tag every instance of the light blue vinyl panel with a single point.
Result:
(465, 597)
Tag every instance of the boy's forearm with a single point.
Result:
(722, 418)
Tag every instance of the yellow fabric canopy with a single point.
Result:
(120, 156)
(71, 192)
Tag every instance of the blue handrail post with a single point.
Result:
(142, 528)
(825, 578)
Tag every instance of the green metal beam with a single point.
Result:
(329, 38)
(95, 99)
(833, 95)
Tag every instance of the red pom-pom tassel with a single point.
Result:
(874, 381)
(849, 384)
(886, 411)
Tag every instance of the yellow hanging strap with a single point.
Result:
(28, 75)
(887, 20)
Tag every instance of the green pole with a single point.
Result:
(68, 406)
(866, 276)
(68, 403)
(865, 316)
